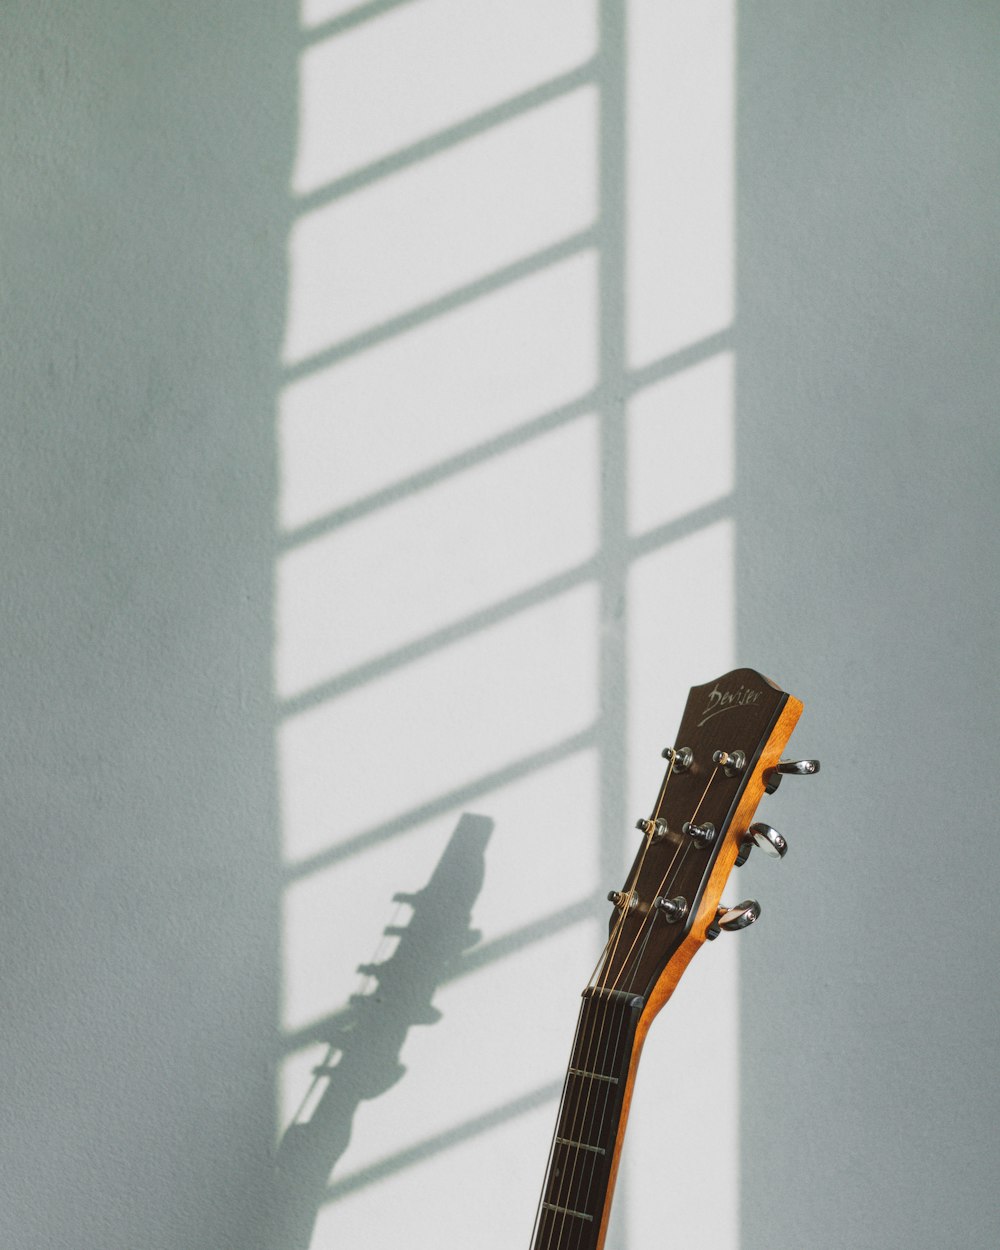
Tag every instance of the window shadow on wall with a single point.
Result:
(364, 1040)
(146, 214)
(332, 706)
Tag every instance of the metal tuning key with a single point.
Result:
(742, 916)
(673, 909)
(657, 828)
(767, 838)
(732, 919)
(731, 762)
(624, 901)
(704, 835)
(789, 768)
(681, 757)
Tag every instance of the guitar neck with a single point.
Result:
(728, 754)
(583, 1161)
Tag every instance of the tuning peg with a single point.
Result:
(673, 909)
(789, 768)
(624, 900)
(767, 838)
(681, 757)
(741, 916)
(656, 829)
(731, 762)
(732, 919)
(704, 835)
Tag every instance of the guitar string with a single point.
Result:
(630, 969)
(600, 1032)
(600, 1118)
(599, 1013)
(555, 1191)
(536, 1227)
(663, 888)
(606, 958)
(594, 1010)
(646, 928)
(612, 939)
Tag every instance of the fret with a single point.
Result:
(576, 1184)
(580, 1215)
(580, 1145)
(574, 1177)
(588, 1110)
(564, 1228)
(594, 1076)
(601, 993)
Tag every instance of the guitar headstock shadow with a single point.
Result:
(365, 1039)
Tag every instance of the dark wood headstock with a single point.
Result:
(731, 735)
(725, 757)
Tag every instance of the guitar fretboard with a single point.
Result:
(580, 1162)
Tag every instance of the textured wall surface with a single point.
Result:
(868, 235)
(402, 405)
(145, 150)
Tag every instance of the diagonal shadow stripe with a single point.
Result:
(666, 366)
(443, 803)
(431, 1146)
(518, 436)
(349, 20)
(450, 137)
(441, 471)
(541, 592)
(462, 295)
(399, 657)
(683, 527)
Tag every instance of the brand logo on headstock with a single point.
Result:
(720, 701)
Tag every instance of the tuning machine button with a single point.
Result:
(703, 835)
(789, 768)
(624, 900)
(680, 757)
(673, 909)
(732, 919)
(657, 829)
(731, 762)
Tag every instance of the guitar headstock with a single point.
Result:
(725, 757)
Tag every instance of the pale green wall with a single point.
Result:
(145, 150)
(868, 447)
(144, 200)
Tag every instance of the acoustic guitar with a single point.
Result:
(727, 756)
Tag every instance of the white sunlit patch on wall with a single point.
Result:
(680, 444)
(442, 225)
(436, 726)
(680, 160)
(439, 556)
(442, 557)
(682, 609)
(402, 411)
(364, 95)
